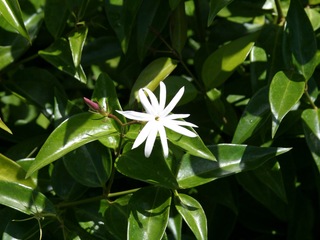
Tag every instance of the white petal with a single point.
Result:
(181, 130)
(177, 116)
(163, 96)
(150, 140)
(177, 122)
(145, 102)
(154, 100)
(163, 138)
(136, 115)
(143, 135)
(173, 102)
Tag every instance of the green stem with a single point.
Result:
(281, 17)
(309, 98)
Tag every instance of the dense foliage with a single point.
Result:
(249, 70)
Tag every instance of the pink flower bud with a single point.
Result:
(92, 105)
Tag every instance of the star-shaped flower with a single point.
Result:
(157, 118)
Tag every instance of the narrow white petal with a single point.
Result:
(177, 116)
(143, 135)
(164, 143)
(150, 140)
(180, 130)
(163, 96)
(177, 122)
(136, 115)
(173, 102)
(154, 100)
(145, 102)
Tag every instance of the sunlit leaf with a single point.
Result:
(10, 171)
(4, 127)
(71, 134)
(285, 91)
(215, 7)
(24, 199)
(149, 214)
(218, 67)
(193, 214)
(10, 10)
(311, 127)
(231, 159)
(77, 40)
(151, 76)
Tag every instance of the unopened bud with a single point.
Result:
(92, 105)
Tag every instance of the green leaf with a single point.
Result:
(285, 91)
(106, 95)
(25, 199)
(55, 25)
(193, 214)
(69, 135)
(10, 10)
(178, 30)
(175, 223)
(215, 7)
(231, 159)
(116, 217)
(149, 214)
(64, 185)
(4, 127)
(10, 171)
(193, 146)
(151, 20)
(303, 48)
(153, 170)
(311, 127)
(90, 164)
(60, 56)
(218, 67)
(151, 76)
(77, 39)
(256, 113)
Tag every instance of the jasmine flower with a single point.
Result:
(157, 117)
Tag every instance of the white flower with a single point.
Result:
(157, 117)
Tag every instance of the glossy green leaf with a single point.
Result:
(151, 20)
(215, 7)
(151, 76)
(105, 94)
(10, 10)
(175, 224)
(149, 214)
(18, 45)
(64, 185)
(220, 64)
(193, 146)
(285, 91)
(60, 56)
(4, 127)
(54, 24)
(314, 17)
(71, 134)
(311, 127)
(178, 30)
(153, 170)
(256, 113)
(303, 48)
(116, 217)
(10, 171)
(231, 159)
(193, 214)
(258, 67)
(77, 39)
(90, 164)
(24, 199)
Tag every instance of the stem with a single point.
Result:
(281, 18)
(309, 98)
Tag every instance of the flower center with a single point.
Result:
(157, 118)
